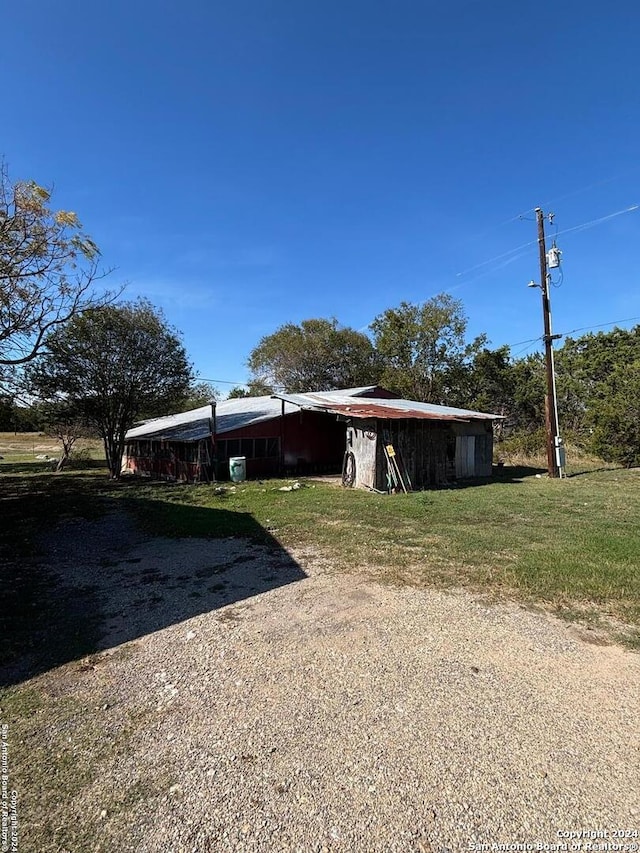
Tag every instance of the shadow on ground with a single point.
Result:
(499, 474)
(97, 581)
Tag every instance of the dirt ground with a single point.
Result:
(232, 696)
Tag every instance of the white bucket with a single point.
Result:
(238, 468)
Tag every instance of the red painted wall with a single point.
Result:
(312, 441)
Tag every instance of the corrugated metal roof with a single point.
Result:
(195, 424)
(348, 392)
(244, 411)
(370, 407)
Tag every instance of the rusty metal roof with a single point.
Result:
(369, 407)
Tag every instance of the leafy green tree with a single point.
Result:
(614, 416)
(529, 385)
(491, 381)
(317, 355)
(254, 388)
(114, 364)
(423, 350)
(16, 416)
(599, 392)
(48, 269)
(200, 393)
(491, 385)
(7, 413)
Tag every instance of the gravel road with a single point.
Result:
(275, 705)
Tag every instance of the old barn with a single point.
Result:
(367, 433)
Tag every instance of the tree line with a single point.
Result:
(87, 361)
(421, 352)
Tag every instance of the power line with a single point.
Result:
(497, 257)
(594, 222)
(583, 227)
(221, 381)
(236, 382)
(600, 325)
(553, 201)
(530, 341)
(571, 331)
(586, 188)
(528, 346)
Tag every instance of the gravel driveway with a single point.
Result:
(275, 705)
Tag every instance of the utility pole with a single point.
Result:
(550, 401)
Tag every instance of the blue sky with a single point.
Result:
(246, 164)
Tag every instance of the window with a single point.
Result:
(250, 448)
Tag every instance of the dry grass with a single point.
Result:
(20, 452)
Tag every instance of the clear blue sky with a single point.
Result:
(246, 164)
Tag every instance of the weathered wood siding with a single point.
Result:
(362, 441)
(474, 449)
(426, 449)
(433, 453)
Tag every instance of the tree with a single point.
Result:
(614, 417)
(48, 268)
(599, 392)
(64, 422)
(529, 388)
(491, 381)
(200, 394)
(491, 384)
(18, 416)
(114, 364)
(317, 355)
(423, 349)
(254, 388)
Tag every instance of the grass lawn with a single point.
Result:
(570, 545)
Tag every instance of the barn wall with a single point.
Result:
(431, 452)
(313, 442)
(308, 443)
(484, 455)
(185, 462)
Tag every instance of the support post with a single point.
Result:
(212, 428)
(282, 440)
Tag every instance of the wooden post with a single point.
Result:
(282, 440)
(550, 408)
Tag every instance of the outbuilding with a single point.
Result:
(366, 433)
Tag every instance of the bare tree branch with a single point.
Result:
(49, 269)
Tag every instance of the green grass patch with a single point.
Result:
(566, 544)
